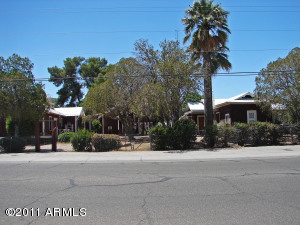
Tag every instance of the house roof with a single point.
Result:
(70, 111)
(53, 111)
(244, 98)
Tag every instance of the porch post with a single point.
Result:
(75, 124)
(103, 130)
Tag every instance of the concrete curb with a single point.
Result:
(153, 156)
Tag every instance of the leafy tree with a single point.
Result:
(206, 26)
(193, 96)
(69, 77)
(151, 87)
(93, 68)
(279, 84)
(115, 97)
(168, 79)
(21, 97)
(70, 94)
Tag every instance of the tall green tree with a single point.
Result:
(279, 84)
(21, 98)
(93, 68)
(168, 79)
(115, 97)
(206, 26)
(70, 94)
(76, 74)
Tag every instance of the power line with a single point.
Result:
(112, 10)
(119, 53)
(142, 31)
(230, 74)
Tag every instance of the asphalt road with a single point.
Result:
(242, 191)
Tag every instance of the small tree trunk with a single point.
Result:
(128, 126)
(16, 129)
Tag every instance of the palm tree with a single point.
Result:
(206, 26)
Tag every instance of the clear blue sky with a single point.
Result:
(48, 31)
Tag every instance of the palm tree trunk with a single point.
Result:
(208, 102)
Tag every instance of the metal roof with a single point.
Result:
(239, 99)
(70, 111)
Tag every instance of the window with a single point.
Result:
(227, 118)
(251, 116)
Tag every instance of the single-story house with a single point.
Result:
(241, 108)
(65, 118)
(71, 119)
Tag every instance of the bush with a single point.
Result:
(179, 137)
(26, 127)
(224, 134)
(97, 126)
(273, 134)
(65, 137)
(159, 137)
(210, 135)
(257, 132)
(105, 142)
(183, 134)
(13, 144)
(241, 133)
(81, 141)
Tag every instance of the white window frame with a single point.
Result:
(251, 120)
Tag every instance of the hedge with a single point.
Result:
(255, 134)
(105, 142)
(179, 137)
(81, 141)
(13, 144)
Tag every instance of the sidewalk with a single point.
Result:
(153, 156)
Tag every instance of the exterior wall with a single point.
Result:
(111, 126)
(45, 127)
(238, 113)
(3, 132)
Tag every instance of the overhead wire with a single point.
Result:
(199, 75)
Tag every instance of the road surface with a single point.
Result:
(238, 191)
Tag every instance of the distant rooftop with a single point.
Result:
(70, 111)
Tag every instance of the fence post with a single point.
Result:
(37, 137)
(150, 140)
(54, 139)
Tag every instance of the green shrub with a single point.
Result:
(160, 137)
(210, 135)
(13, 144)
(179, 137)
(10, 126)
(258, 133)
(81, 141)
(183, 134)
(65, 137)
(26, 127)
(224, 134)
(273, 133)
(97, 126)
(241, 133)
(105, 142)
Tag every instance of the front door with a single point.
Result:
(200, 122)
